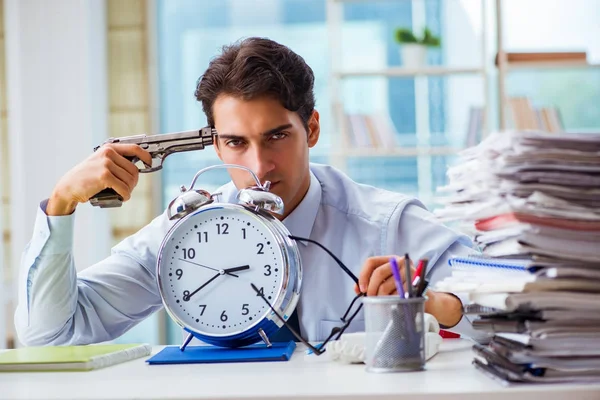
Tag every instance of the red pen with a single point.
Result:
(419, 282)
(416, 280)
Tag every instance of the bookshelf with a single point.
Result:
(496, 105)
(504, 67)
(418, 151)
(408, 72)
(550, 65)
(423, 150)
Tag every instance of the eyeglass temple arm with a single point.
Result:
(296, 335)
(340, 263)
(339, 331)
(358, 296)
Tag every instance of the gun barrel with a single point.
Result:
(203, 136)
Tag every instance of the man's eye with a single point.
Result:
(278, 136)
(234, 143)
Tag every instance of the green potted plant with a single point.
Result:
(413, 49)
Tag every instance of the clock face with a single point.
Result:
(207, 265)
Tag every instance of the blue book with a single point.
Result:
(279, 351)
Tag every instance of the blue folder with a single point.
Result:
(279, 351)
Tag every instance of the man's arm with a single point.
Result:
(445, 307)
(430, 238)
(376, 280)
(414, 230)
(58, 306)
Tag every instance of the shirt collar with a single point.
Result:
(300, 221)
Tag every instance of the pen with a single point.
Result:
(424, 288)
(422, 282)
(397, 277)
(409, 292)
(417, 277)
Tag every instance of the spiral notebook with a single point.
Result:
(495, 263)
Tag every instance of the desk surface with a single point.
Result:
(449, 374)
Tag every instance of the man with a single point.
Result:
(258, 95)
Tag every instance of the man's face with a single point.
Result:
(262, 135)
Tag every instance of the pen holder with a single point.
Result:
(395, 334)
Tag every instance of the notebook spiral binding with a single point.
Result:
(479, 261)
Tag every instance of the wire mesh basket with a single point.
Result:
(395, 336)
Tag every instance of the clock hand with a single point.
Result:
(189, 296)
(235, 269)
(227, 271)
(220, 272)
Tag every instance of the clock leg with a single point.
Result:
(264, 337)
(186, 342)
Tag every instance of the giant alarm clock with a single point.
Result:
(215, 253)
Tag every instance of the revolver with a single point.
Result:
(159, 147)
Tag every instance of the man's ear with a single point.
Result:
(314, 129)
(216, 146)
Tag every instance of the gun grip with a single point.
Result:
(106, 198)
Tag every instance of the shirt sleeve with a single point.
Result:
(58, 306)
(416, 231)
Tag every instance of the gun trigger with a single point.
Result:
(135, 160)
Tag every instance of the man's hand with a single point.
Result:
(105, 168)
(376, 279)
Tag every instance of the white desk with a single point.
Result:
(449, 375)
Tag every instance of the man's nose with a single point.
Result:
(261, 163)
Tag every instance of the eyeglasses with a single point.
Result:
(346, 319)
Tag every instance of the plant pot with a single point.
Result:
(413, 55)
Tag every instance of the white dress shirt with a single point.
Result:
(59, 306)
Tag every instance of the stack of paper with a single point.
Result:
(532, 201)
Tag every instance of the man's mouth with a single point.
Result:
(273, 185)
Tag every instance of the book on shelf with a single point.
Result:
(70, 358)
(527, 117)
(544, 56)
(476, 124)
(370, 130)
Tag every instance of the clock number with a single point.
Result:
(223, 316)
(268, 270)
(261, 292)
(245, 310)
(179, 273)
(203, 308)
(260, 248)
(200, 236)
(188, 253)
(222, 229)
(244, 232)
(186, 295)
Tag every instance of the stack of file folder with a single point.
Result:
(532, 203)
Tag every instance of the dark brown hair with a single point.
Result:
(257, 67)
